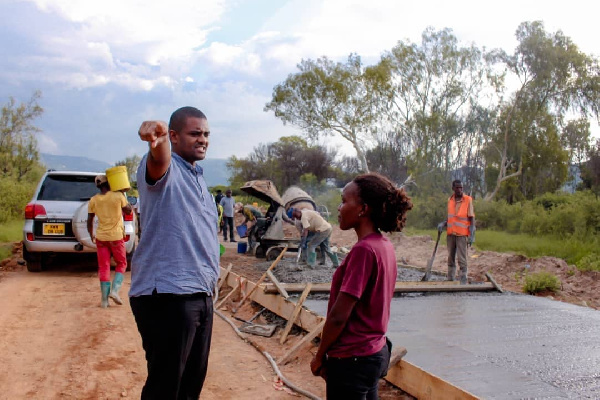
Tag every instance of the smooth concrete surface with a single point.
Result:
(500, 346)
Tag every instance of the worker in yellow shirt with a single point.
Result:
(109, 238)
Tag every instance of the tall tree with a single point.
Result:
(18, 144)
(328, 98)
(555, 78)
(282, 162)
(432, 100)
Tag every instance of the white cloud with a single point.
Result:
(46, 143)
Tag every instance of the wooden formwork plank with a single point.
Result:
(307, 338)
(401, 287)
(307, 319)
(277, 284)
(493, 281)
(223, 276)
(424, 385)
(292, 318)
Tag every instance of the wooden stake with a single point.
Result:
(224, 276)
(292, 319)
(310, 336)
(262, 278)
(278, 285)
(491, 279)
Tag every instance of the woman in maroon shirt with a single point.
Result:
(354, 351)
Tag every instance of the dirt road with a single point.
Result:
(57, 343)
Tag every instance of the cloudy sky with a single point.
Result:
(105, 66)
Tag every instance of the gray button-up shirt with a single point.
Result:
(179, 249)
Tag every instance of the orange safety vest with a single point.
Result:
(458, 224)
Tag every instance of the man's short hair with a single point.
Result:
(456, 182)
(180, 116)
(218, 190)
(228, 191)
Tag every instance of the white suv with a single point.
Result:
(56, 218)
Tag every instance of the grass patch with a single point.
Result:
(573, 251)
(11, 231)
(541, 282)
(5, 250)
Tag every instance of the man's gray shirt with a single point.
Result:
(179, 249)
(228, 203)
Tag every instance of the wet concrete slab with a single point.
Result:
(499, 346)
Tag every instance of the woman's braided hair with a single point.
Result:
(388, 203)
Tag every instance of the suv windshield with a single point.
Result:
(68, 188)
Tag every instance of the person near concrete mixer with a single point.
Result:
(176, 264)
(251, 215)
(313, 222)
(109, 207)
(354, 352)
(460, 230)
(228, 203)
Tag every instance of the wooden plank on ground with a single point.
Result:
(401, 287)
(424, 385)
(292, 319)
(307, 338)
(307, 319)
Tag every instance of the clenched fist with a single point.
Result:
(154, 132)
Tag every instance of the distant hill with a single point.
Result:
(72, 163)
(215, 170)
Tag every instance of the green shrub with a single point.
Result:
(331, 199)
(427, 212)
(540, 282)
(590, 262)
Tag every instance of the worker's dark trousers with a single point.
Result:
(355, 378)
(176, 332)
(228, 223)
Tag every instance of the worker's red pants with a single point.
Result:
(105, 249)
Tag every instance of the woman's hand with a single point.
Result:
(317, 367)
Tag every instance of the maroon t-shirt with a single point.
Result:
(368, 273)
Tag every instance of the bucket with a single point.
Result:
(117, 178)
(242, 230)
(221, 249)
(242, 247)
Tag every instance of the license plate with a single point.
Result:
(54, 229)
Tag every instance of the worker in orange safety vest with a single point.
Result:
(460, 230)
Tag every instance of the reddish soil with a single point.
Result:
(57, 342)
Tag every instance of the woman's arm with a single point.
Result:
(334, 325)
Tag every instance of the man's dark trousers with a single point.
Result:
(176, 332)
(228, 223)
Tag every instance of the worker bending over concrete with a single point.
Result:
(312, 221)
(251, 215)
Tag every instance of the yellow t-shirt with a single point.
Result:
(313, 221)
(108, 208)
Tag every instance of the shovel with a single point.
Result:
(430, 262)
